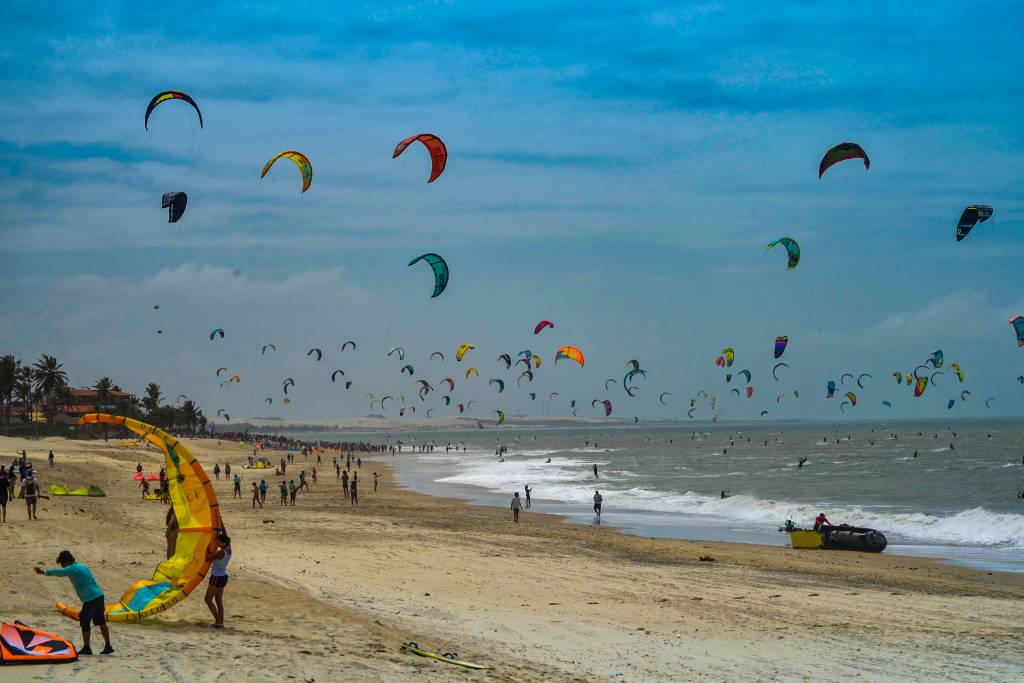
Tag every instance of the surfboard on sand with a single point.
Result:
(447, 657)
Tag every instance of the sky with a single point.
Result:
(614, 167)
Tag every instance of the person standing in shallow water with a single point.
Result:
(517, 505)
(528, 490)
(598, 499)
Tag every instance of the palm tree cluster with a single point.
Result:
(43, 385)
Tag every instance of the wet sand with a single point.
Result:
(325, 591)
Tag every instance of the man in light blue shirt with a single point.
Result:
(89, 593)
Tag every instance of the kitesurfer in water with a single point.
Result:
(800, 465)
(91, 595)
(526, 487)
(218, 554)
(595, 470)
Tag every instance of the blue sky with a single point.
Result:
(614, 167)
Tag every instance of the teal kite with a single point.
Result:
(440, 271)
(792, 250)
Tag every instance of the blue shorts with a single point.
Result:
(218, 581)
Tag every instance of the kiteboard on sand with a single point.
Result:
(447, 657)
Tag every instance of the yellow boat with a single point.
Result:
(804, 538)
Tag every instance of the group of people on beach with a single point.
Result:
(20, 480)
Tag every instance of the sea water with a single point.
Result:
(957, 498)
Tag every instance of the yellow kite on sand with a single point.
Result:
(195, 506)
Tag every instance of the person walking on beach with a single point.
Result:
(292, 490)
(256, 496)
(238, 486)
(359, 463)
(216, 471)
(517, 505)
(597, 502)
(263, 492)
(218, 554)
(144, 485)
(595, 470)
(376, 480)
(284, 492)
(50, 458)
(353, 490)
(89, 592)
(30, 492)
(344, 483)
(526, 487)
(5, 489)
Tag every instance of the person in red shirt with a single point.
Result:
(821, 520)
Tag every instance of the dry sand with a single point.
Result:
(327, 592)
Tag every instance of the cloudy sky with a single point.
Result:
(617, 168)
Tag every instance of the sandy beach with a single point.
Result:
(327, 592)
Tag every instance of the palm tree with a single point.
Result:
(190, 414)
(103, 387)
(23, 392)
(48, 375)
(9, 366)
(153, 397)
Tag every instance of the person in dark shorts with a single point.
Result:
(89, 592)
(353, 490)
(597, 502)
(218, 555)
(517, 505)
(5, 490)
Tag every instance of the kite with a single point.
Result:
(222, 413)
(629, 375)
(750, 391)
(830, 388)
(728, 378)
(268, 400)
(400, 350)
(745, 373)
(792, 251)
(440, 268)
(288, 383)
(972, 215)
(533, 396)
(635, 363)
(720, 362)
(409, 368)
(862, 376)
(690, 412)
(181, 396)
(734, 391)
(536, 361)
(429, 411)
(216, 331)
(841, 406)
(729, 355)
(964, 394)
(936, 359)
(542, 324)
(842, 380)
(21, 644)
(956, 368)
(527, 354)
(170, 95)
(437, 353)
(500, 383)
(318, 352)
(220, 370)
(198, 514)
(853, 398)
(899, 377)
(778, 399)
(572, 353)
(447, 400)
(451, 382)
(334, 375)
(462, 350)
(300, 159)
(662, 398)
(842, 152)
(777, 366)
(952, 402)
(934, 375)
(434, 145)
(263, 352)
(175, 203)
(987, 400)
(780, 346)
(507, 359)
(384, 399)
(610, 380)
(606, 403)
(347, 343)
(526, 373)
(472, 371)
(1018, 327)
(630, 390)
(552, 395)
(235, 378)
(887, 404)
(922, 382)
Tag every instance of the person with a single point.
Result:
(344, 483)
(50, 458)
(227, 470)
(5, 489)
(238, 487)
(517, 505)
(30, 492)
(353, 490)
(218, 555)
(89, 592)
(144, 485)
(314, 474)
(171, 532)
(526, 487)
(376, 480)
(595, 470)
(284, 492)
(820, 521)
(256, 496)
(216, 471)
(800, 465)
(263, 492)
(548, 460)
(597, 502)
(359, 463)
(725, 494)
(292, 490)
(138, 468)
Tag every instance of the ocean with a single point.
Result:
(956, 499)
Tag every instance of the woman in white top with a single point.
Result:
(218, 554)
